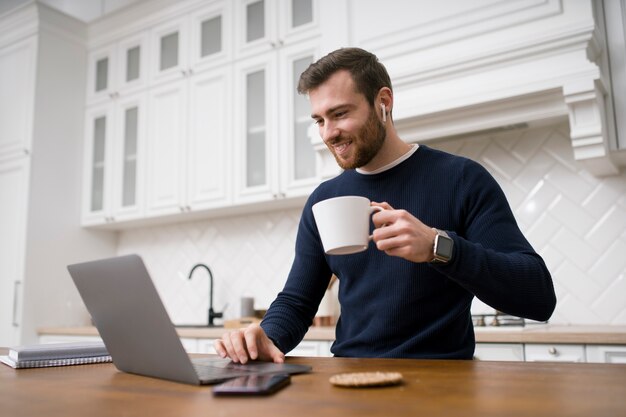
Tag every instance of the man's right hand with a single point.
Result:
(250, 343)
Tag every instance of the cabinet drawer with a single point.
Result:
(606, 354)
(311, 348)
(499, 352)
(554, 353)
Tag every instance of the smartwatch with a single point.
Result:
(442, 249)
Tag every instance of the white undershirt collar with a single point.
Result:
(391, 164)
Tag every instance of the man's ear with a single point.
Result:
(385, 98)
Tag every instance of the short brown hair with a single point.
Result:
(368, 73)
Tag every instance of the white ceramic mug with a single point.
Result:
(343, 223)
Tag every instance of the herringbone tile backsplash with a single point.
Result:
(576, 221)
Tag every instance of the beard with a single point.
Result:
(365, 143)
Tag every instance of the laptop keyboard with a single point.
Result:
(212, 368)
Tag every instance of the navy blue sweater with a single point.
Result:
(391, 307)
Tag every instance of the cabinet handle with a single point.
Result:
(552, 351)
(26, 151)
(16, 284)
(190, 71)
(184, 72)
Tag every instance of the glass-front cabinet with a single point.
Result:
(198, 111)
(192, 42)
(275, 158)
(113, 172)
(117, 69)
(269, 24)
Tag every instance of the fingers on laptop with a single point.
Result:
(250, 343)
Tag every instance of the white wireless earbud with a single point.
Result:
(382, 106)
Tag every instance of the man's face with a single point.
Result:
(347, 123)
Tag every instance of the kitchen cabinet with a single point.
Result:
(190, 43)
(499, 352)
(188, 144)
(265, 25)
(17, 72)
(312, 348)
(554, 353)
(223, 123)
(117, 69)
(275, 158)
(606, 353)
(42, 84)
(14, 177)
(114, 160)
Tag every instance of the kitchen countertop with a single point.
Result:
(430, 388)
(532, 333)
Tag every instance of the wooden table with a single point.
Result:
(431, 388)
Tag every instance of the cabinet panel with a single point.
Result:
(117, 69)
(298, 174)
(499, 352)
(255, 130)
(554, 353)
(14, 176)
(206, 346)
(169, 60)
(17, 80)
(167, 109)
(211, 39)
(129, 158)
(312, 348)
(97, 171)
(209, 142)
(606, 354)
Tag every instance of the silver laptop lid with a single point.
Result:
(131, 318)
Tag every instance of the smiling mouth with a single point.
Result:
(342, 148)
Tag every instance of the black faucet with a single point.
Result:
(212, 314)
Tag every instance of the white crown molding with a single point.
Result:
(18, 24)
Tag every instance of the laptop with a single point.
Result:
(138, 333)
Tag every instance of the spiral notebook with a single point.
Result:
(56, 354)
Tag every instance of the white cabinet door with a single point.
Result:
(211, 36)
(554, 353)
(114, 161)
(499, 352)
(209, 173)
(117, 69)
(166, 147)
(17, 95)
(312, 348)
(128, 158)
(14, 177)
(274, 156)
(169, 59)
(298, 173)
(265, 25)
(606, 353)
(187, 44)
(188, 144)
(255, 133)
(97, 168)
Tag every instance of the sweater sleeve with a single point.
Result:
(492, 259)
(292, 312)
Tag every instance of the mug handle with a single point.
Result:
(374, 209)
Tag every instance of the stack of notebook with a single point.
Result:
(56, 354)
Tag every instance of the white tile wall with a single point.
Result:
(575, 220)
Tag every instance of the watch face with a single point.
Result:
(444, 246)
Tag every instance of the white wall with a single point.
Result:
(576, 221)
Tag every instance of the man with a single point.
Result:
(405, 297)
